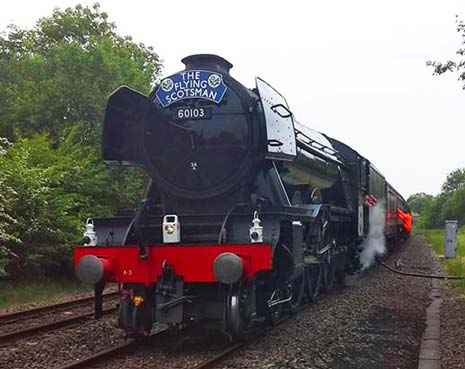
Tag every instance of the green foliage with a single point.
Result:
(454, 207)
(432, 216)
(448, 205)
(56, 191)
(8, 238)
(59, 74)
(457, 65)
(419, 201)
(454, 181)
(435, 238)
(54, 83)
(17, 293)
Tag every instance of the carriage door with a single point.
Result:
(279, 123)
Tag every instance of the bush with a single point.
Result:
(8, 238)
(54, 82)
(56, 191)
(454, 207)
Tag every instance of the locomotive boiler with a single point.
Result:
(247, 212)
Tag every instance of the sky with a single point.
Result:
(355, 70)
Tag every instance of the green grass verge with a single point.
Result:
(455, 266)
(14, 294)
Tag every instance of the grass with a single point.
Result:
(455, 266)
(14, 294)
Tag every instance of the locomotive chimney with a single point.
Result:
(208, 61)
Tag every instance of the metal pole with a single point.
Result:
(98, 299)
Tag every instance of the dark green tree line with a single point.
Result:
(59, 74)
(54, 83)
(449, 204)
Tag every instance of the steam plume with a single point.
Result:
(375, 244)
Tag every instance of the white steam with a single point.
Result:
(375, 243)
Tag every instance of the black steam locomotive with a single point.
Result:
(247, 214)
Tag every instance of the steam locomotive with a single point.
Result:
(247, 214)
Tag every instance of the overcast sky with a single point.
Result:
(354, 70)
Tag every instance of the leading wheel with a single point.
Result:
(135, 320)
(237, 316)
(135, 313)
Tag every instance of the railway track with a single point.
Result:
(218, 358)
(27, 322)
(100, 356)
(160, 337)
(119, 349)
(24, 314)
(227, 352)
(22, 332)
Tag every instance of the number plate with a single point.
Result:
(192, 113)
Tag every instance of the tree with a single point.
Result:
(432, 216)
(419, 201)
(8, 238)
(59, 74)
(454, 181)
(454, 207)
(449, 204)
(54, 83)
(457, 65)
(56, 191)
